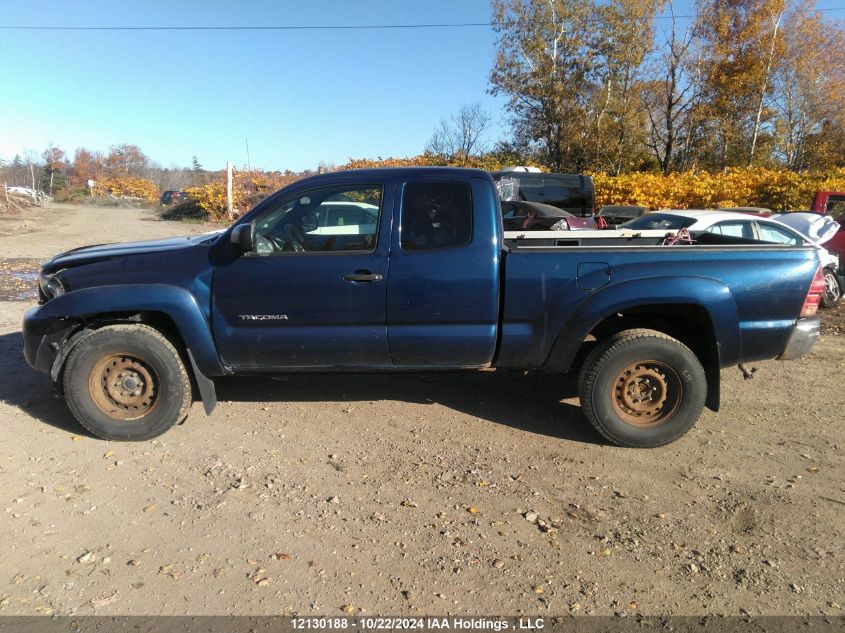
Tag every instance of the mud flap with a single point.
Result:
(206, 386)
(714, 384)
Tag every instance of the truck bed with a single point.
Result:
(618, 237)
(560, 286)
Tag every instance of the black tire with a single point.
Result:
(832, 289)
(642, 388)
(126, 383)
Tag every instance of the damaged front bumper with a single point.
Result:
(44, 339)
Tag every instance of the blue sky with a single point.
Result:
(298, 96)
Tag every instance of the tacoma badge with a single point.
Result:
(263, 317)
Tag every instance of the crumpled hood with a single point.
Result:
(88, 254)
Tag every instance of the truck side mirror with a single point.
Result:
(242, 237)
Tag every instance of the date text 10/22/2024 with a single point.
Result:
(421, 623)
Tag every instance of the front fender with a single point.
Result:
(87, 304)
(711, 295)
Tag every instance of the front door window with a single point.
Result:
(342, 218)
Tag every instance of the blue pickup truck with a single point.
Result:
(409, 270)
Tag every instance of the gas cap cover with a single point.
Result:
(593, 275)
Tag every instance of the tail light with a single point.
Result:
(560, 225)
(814, 295)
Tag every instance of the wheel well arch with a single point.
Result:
(689, 323)
(160, 321)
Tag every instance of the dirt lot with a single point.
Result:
(408, 494)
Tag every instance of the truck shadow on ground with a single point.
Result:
(531, 403)
(31, 392)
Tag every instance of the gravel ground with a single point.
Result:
(435, 494)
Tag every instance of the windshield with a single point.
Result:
(659, 221)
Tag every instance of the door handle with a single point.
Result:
(363, 276)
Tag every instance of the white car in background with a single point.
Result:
(820, 229)
(746, 226)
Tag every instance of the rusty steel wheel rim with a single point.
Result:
(647, 393)
(124, 386)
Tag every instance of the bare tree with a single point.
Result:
(810, 111)
(462, 135)
(623, 38)
(776, 18)
(670, 96)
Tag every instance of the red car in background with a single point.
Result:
(832, 203)
(535, 216)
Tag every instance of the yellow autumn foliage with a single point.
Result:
(774, 189)
(423, 160)
(249, 188)
(127, 187)
(210, 197)
(779, 190)
(487, 162)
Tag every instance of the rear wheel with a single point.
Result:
(832, 291)
(126, 382)
(642, 388)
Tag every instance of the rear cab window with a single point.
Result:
(435, 215)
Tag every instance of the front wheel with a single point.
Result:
(642, 388)
(126, 382)
(832, 291)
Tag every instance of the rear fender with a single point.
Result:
(712, 296)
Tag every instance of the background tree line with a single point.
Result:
(54, 172)
(123, 171)
(608, 87)
(615, 87)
